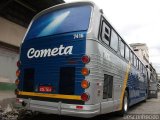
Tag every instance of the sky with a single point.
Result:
(137, 21)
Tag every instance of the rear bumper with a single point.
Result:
(61, 108)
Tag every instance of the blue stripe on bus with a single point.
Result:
(137, 88)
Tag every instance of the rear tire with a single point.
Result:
(125, 105)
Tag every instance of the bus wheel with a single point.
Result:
(125, 105)
(146, 97)
(25, 115)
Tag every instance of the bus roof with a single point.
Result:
(63, 5)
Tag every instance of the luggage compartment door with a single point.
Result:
(28, 83)
(67, 81)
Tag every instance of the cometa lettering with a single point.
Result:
(32, 53)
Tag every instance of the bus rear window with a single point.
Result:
(60, 21)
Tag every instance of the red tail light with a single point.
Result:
(16, 91)
(17, 82)
(17, 73)
(19, 100)
(85, 97)
(18, 63)
(85, 59)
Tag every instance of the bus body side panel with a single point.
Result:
(104, 62)
(137, 85)
(153, 90)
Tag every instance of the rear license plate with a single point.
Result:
(45, 88)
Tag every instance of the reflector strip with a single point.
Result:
(72, 97)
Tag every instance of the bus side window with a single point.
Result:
(105, 34)
(141, 67)
(107, 86)
(121, 48)
(127, 53)
(135, 61)
(132, 58)
(114, 40)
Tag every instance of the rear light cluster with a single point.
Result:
(85, 97)
(18, 72)
(85, 71)
(16, 91)
(85, 59)
(85, 84)
(18, 63)
(17, 82)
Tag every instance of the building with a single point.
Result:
(141, 51)
(158, 77)
(15, 16)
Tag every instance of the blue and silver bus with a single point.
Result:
(153, 83)
(73, 62)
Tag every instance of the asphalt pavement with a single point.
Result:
(150, 108)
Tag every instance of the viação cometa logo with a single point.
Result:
(33, 53)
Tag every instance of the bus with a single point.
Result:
(153, 83)
(74, 63)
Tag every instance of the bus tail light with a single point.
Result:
(19, 100)
(85, 71)
(85, 84)
(18, 63)
(85, 59)
(16, 91)
(17, 73)
(17, 82)
(85, 97)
